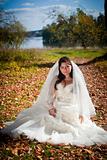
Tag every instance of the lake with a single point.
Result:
(33, 42)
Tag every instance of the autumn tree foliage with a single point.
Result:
(77, 30)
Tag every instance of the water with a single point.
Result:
(33, 42)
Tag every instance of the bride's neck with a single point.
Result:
(67, 77)
(67, 80)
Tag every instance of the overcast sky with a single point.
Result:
(34, 14)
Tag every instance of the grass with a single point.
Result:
(54, 54)
(35, 57)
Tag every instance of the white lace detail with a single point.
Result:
(64, 96)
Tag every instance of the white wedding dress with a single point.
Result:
(64, 128)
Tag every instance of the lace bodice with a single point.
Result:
(64, 93)
(64, 101)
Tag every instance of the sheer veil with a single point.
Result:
(81, 95)
(41, 106)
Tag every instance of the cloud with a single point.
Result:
(93, 12)
(76, 1)
(37, 17)
(34, 18)
(27, 4)
(19, 9)
(54, 10)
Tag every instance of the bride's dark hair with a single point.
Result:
(61, 76)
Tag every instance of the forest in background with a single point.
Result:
(79, 29)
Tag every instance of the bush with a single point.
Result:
(16, 55)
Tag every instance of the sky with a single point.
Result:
(34, 14)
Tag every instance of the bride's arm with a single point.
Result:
(52, 109)
(51, 98)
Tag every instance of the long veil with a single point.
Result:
(80, 92)
(40, 106)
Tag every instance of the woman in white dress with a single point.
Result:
(62, 112)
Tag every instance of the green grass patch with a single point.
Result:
(88, 53)
(29, 56)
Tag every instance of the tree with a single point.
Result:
(85, 29)
(77, 30)
(16, 34)
(12, 31)
(101, 31)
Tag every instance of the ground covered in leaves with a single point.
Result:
(21, 86)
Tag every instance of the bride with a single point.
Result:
(62, 112)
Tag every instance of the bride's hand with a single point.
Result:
(52, 112)
(81, 118)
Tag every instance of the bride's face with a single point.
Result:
(65, 68)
